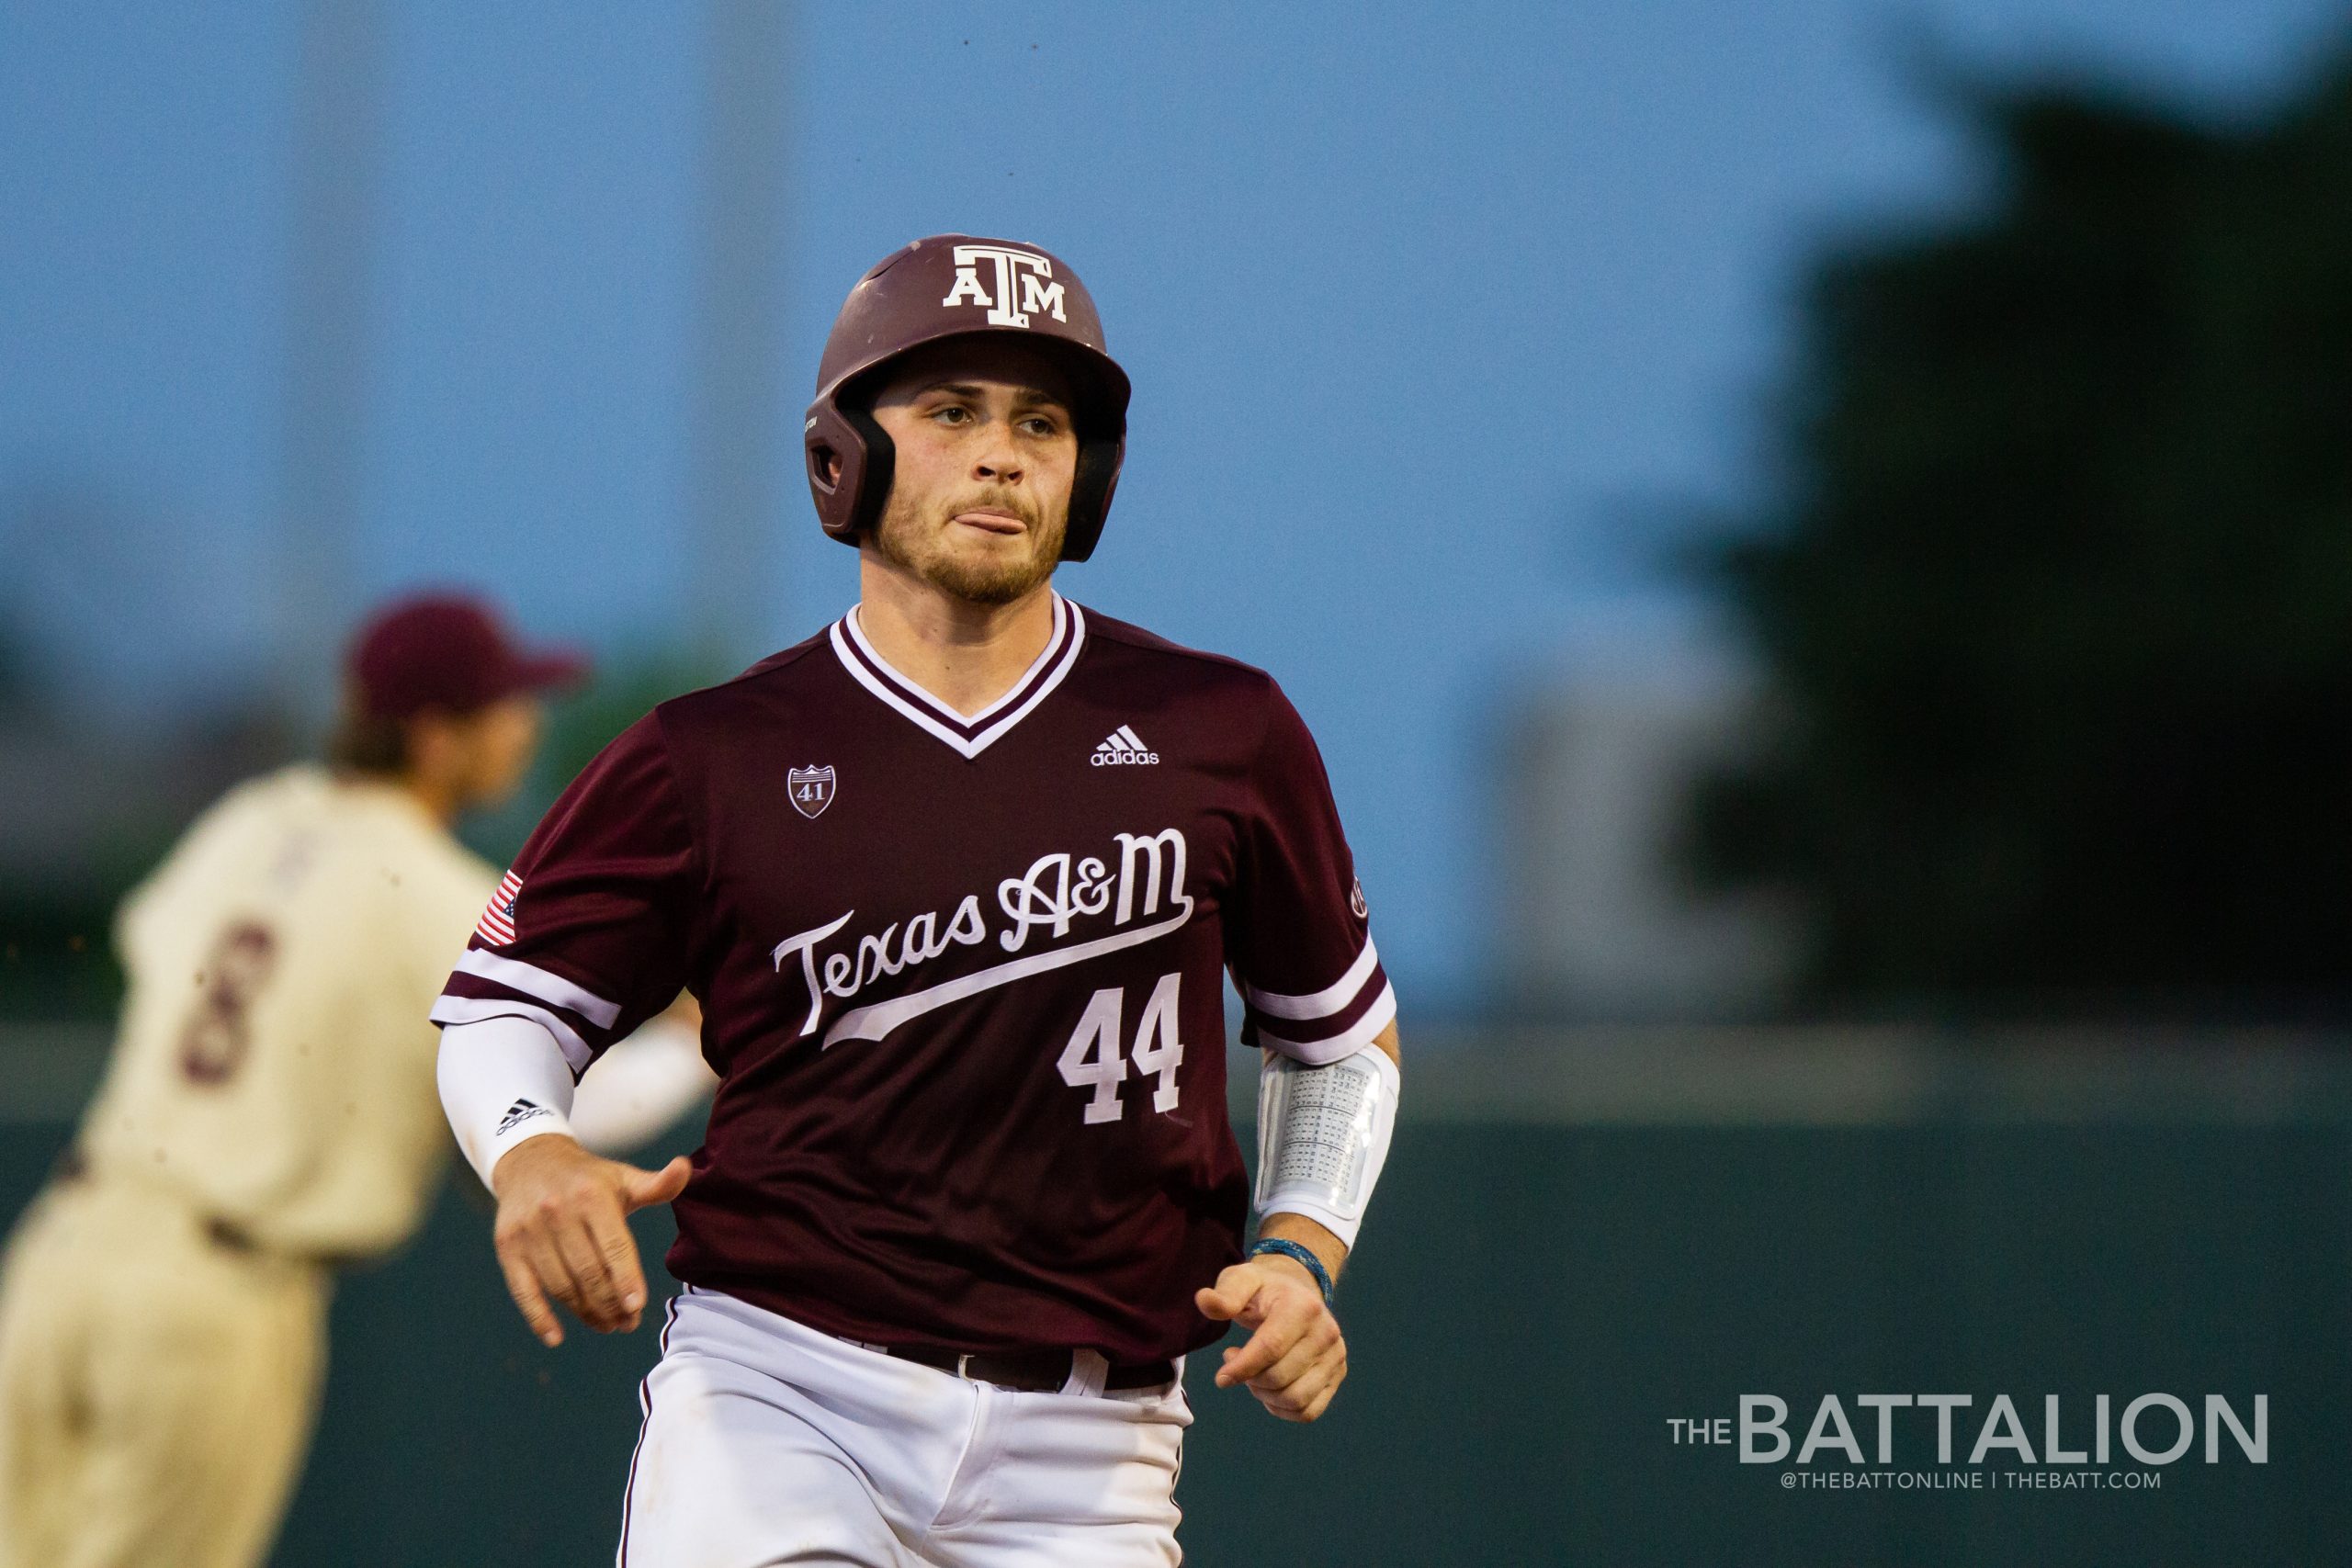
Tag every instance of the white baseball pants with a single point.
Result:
(769, 1443)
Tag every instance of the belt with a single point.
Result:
(230, 1237)
(1031, 1372)
(72, 1170)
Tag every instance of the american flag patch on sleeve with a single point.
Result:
(496, 926)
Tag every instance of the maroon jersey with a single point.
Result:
(960, 977)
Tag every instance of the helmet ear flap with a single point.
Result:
(1089, 494)
(850, 460)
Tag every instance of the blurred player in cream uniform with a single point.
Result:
(270, 1111)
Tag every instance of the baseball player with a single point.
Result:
(956, 882)
(269, 1111)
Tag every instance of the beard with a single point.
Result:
(907, 539)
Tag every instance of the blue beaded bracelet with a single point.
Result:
(1293, 1250)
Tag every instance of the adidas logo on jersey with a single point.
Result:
(522, 1110)
(1124, 747)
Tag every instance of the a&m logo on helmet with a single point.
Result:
(1025, 272)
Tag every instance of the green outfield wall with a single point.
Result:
(1532, 1306)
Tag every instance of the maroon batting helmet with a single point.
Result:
(952, 286)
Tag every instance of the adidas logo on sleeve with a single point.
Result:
(1123, 749)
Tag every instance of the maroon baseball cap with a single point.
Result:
(448, 651)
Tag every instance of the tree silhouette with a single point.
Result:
(2057, 595)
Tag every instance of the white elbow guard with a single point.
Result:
(503, 1081)
(1323, 1136)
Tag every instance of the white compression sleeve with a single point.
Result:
(640, 1087)
(503, 1081)
(1323, 1136)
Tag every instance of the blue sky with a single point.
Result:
(1433, 313)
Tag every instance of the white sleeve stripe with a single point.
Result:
(1322, 1003)
(552, 989)
(473, 1010)
(1317, 1053)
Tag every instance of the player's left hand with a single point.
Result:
(1295, 1359)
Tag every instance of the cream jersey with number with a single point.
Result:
(275, 1064)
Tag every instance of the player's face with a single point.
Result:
(986, 452)
(499, 742)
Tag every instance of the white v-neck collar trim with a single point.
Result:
(964, 721)
(968, 737)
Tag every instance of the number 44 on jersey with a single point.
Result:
(1093, 1055)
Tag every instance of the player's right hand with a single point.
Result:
(562, 1231)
